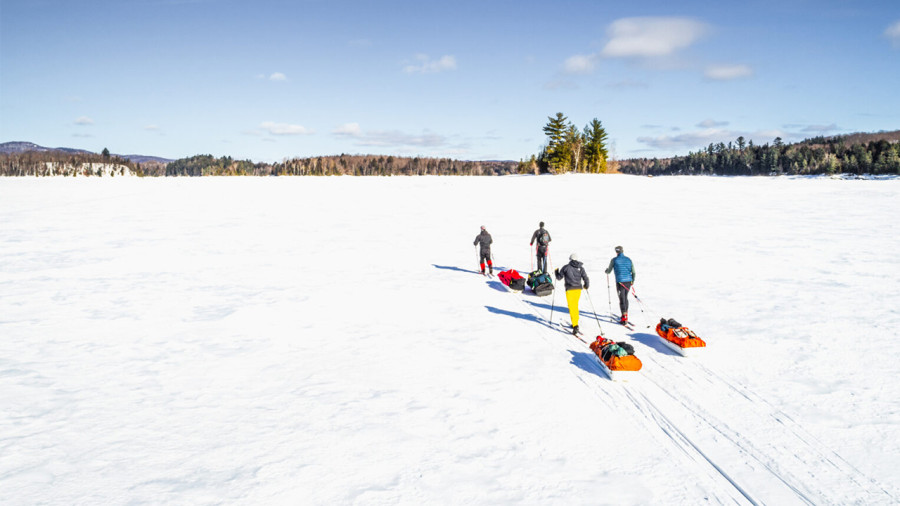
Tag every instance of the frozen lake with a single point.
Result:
(328, 341)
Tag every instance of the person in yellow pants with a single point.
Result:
(573, 273)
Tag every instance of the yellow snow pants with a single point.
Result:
(572, 297)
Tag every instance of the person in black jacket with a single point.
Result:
(485, 255)
(574, 273)
(542, 237)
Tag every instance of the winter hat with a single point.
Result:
(618, 249)
(482, 227)
(573, 257)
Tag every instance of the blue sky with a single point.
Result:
(271, 79)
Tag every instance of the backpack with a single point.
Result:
(544, 238)
(537, 278)
(619, 349)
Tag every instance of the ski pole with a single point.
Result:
(608, 294)
(638, 298)
(641, 303)
(553, 302)
(531, 257)
(595, 312)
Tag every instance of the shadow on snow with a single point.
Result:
(653, 341)
(587, 362)
(451, 268)
(521, 316)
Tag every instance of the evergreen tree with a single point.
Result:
(595, 151)
(557, 154)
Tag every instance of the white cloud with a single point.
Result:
(152, 128)
(648, 37)
(348, 130)
(284, 129)
(727, 72)
(893, 33)
(84, 121)
(580, 64)
(389, 138)
(277, 76)
(397, 138)
(425, 65)
(711, 123)
(821, 129)
(688, 140)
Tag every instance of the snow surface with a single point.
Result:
(328, 341)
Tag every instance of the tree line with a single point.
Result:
(41, 163)
(853, 154)
(569, 149)
(62, 163)
(344, 165)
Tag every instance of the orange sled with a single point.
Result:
(614, 363)
(681, 340)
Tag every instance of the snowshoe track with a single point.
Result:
(730, 452)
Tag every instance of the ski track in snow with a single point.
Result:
(329, 341)
(824, 466)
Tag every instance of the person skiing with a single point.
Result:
(485, 255)
(573, 272)
(543, 240)
(624, 268)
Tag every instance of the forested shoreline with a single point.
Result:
(567, 150)
(852, 154)
(61, 163)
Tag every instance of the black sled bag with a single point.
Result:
(543, 289)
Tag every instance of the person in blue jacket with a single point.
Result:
(624, 269)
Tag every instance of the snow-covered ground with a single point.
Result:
(327, 341)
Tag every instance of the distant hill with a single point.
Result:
(22, 147)
(856, 138)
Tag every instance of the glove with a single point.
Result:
(585, 286)
(556, 271)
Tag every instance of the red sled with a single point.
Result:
(512, 280)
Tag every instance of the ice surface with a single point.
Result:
(328, 341)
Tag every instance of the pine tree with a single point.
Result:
(557, 154)
(595, 151)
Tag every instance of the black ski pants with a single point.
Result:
(542, 259)
(485, 256)
(622, 290)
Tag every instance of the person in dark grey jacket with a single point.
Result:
(573, 273)
(543, 244)
(485, 253)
